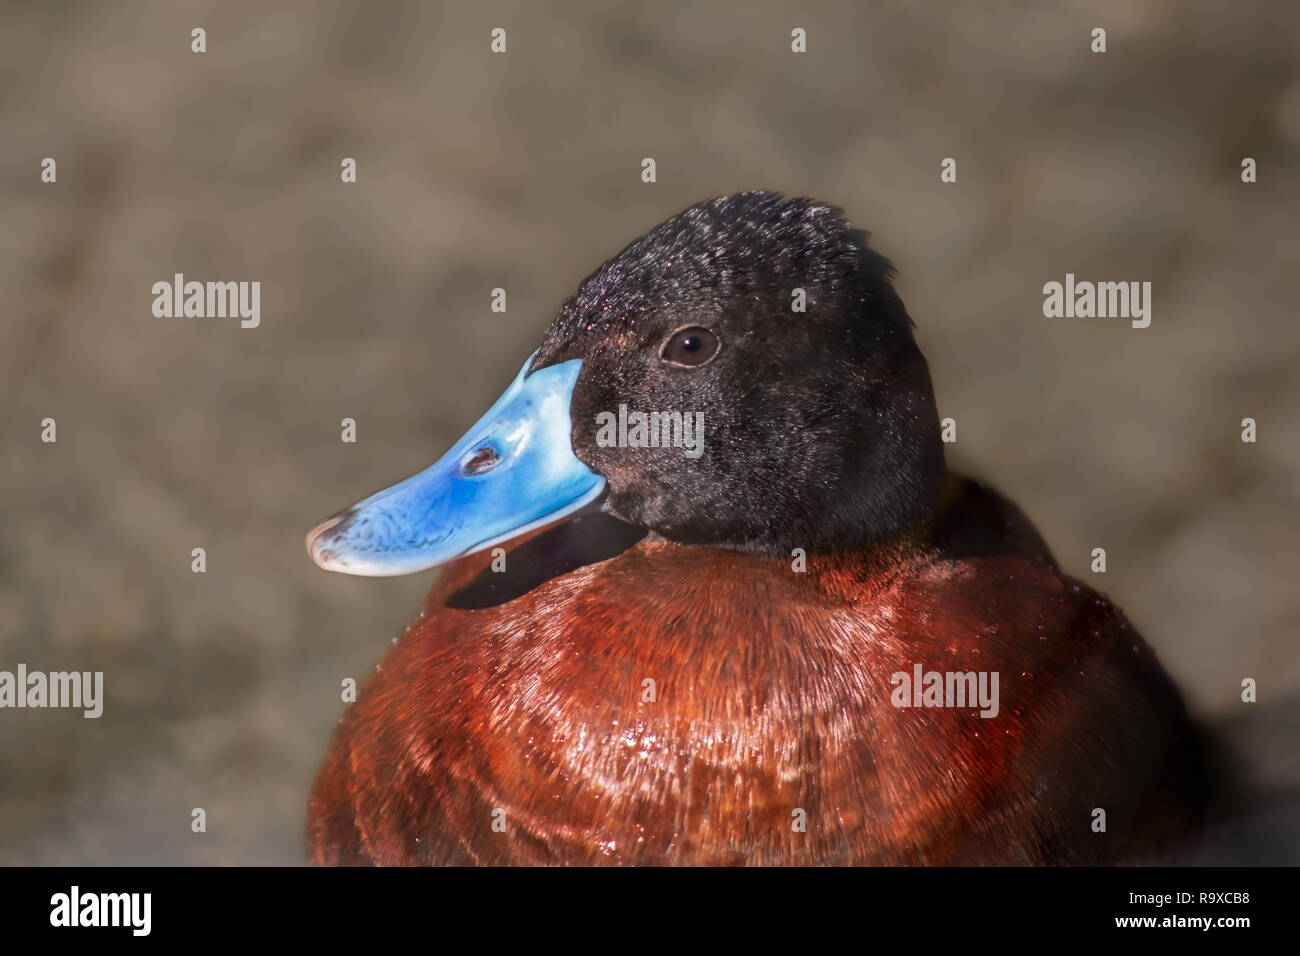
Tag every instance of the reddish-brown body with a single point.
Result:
(772, 695)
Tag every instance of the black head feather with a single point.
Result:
(820, 429)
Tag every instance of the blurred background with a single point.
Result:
(522, 171)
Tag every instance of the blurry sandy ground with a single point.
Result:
(521, 171)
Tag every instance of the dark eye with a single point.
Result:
(690, 347)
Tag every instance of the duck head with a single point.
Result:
(743, 376)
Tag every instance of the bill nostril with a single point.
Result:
(483, 460)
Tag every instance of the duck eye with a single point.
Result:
(691, 347)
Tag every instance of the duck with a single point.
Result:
(639, 652)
